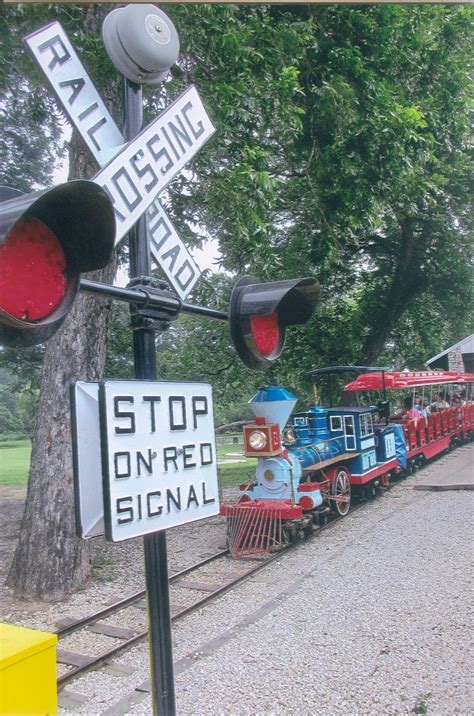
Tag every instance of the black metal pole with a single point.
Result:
(140, 297)
(156, 559)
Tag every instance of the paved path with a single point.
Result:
(447, 477)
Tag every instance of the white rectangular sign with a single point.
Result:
(168, 251)
(75, 90)
(149, 162)
(158, 455)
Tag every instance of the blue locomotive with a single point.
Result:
(306, 468)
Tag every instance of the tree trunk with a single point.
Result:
(50, 561)
(405, 286)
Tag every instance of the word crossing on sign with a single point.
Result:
(75, 91)
(150, 161)
(158, 456)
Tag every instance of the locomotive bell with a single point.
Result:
(142, 42)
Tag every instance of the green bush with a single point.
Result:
(13, 437)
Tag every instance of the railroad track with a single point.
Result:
(77, 663)
(73, 634)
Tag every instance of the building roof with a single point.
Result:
(466, 345)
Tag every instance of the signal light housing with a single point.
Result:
(260, 312)
(47, 239)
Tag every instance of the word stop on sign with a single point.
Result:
(158, 455)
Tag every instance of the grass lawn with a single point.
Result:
(234, 473)
(14, 462)
(237, 472)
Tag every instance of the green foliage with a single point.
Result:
(18, 395)
(342, 152)
(30, 125)
(119, 363)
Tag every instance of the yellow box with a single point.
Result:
(27, 672)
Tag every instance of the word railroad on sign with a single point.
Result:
(75, 90)
(140, 169)
(158, 456)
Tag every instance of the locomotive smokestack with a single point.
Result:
(274, 403)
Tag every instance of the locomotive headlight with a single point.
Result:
(269, 475)
(257, 440)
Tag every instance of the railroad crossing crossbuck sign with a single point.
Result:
(132, 174)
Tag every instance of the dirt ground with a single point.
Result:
(12, 500)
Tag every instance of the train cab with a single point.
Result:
(371, 443)
(320, 435)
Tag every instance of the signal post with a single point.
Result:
(155, 548)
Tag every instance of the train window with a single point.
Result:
(366, 425)
(335, 422)
(349, 425)
(300, 421)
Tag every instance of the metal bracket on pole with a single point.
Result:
(163, 301)
(147, 314)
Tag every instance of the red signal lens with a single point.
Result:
(32, 265)
(265, 332)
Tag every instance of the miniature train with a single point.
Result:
(309, 467)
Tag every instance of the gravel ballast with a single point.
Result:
(372, 617)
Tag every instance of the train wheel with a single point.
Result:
(341, 489)
(291, 532)
(411, 467)
(323, 520)
(370, 491)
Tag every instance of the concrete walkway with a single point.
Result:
(447, 478)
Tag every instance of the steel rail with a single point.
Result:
(101, 659)
(117, 606)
